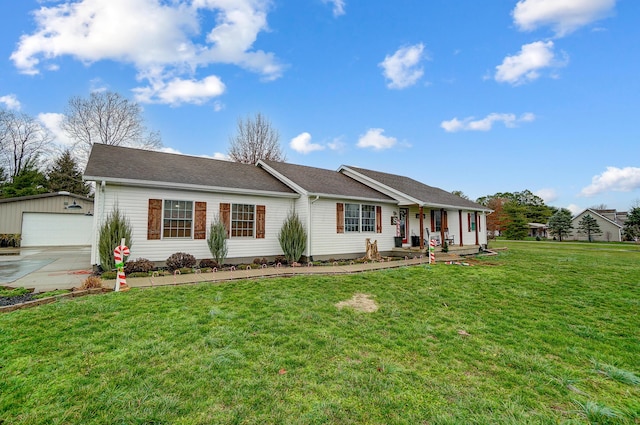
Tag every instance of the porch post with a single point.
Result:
(477, 217)
(421, 228)
(461, 231)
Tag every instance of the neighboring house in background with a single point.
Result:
(538, 230)
(48, 219)
(609, 221)
(171, 201)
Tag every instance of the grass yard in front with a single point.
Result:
(541, 333)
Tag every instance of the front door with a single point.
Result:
(404, 224)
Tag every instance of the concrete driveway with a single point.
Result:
(45, 268)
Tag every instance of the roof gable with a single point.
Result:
(598, 215)
(320, 181)
(409, 188)
(128, 165)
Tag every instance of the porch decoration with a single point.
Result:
(119, 253)
(432, 251)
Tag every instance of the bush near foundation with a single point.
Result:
(180, 260)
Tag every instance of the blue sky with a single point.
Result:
(477, 96)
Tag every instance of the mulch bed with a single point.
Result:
(19, 299)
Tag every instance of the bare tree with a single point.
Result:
(107, 118)
(23, 140)
(256, 139)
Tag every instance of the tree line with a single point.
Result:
(513, 211)
(31, 163)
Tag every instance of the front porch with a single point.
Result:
(454, 250)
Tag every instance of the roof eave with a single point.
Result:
(194, 187)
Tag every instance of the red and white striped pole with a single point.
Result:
(432, 251)
(119, 253)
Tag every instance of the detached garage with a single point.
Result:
(44, 224)
(50, 229)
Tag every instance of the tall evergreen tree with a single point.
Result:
(560, 224)
(516, 222)
(589, 226)
(30, 181)
(632, 225)
(63, 175)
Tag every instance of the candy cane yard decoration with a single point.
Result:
(119, 253)
(432, 251)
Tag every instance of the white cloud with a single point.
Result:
(337, 144)
(218, 106)
(177, 91)
(563, 16)
(527, 64)
(163, 40)
(374, 139)
(53, 122)
(575, 209)
(221, 156)
(486, 123)
(402, 68)
(302, 144)
(614, 179)
(338, 6)
(547, 194)
(11, 101)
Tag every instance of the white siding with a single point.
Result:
(134, 203)
(326, 241)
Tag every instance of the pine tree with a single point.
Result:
(29, 181)
(589, 226)
(65, 176)
(560, 224)
(632, 225)
(516, 223)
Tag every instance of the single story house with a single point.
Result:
(48, 219)
(171, 201)
(609, 224)
(538, 230)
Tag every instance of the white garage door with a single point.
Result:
(50, 229)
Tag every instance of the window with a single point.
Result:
(177, 219)
(242, 220)
(368, 218)
(360, 218)
(352, 217)
(472, 222)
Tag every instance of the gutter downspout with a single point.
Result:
(309, 224)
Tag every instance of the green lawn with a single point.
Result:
(542, 333)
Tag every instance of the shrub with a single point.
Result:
(292, 237)
(10, 240)
(91, 282)
(280, 259)
(207, 263)
(260, 261)
(115, 228)
(141, 265)
(217, 240)
(180, 260)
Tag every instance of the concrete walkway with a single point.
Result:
(263, 272)
(50, 268)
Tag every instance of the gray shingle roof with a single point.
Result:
(427, 195)
(328, 182)
(116, 162)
